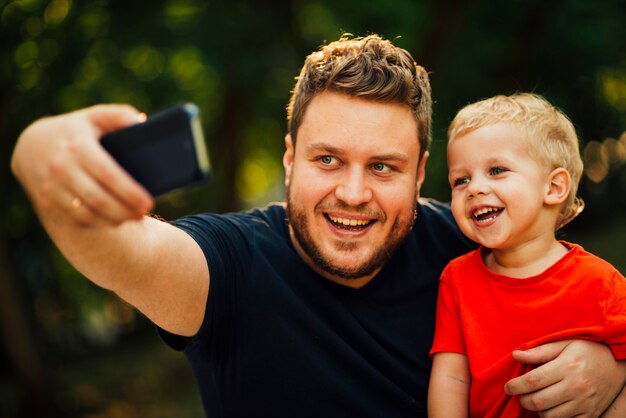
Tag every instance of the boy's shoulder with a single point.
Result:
(586, 259)
(471, 259)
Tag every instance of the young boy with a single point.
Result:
(514, 168)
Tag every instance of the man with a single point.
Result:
(320, 307)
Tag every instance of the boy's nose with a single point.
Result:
(477, 186)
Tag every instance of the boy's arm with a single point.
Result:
(449, 388)
(94, 213)
(573, 378)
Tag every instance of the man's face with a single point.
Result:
(352, 183)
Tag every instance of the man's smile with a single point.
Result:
(350, 224)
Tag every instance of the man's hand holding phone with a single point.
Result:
(164, 153)
(69, 176)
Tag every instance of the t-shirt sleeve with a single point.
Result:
(616, 316)
(225, 246)
(448, 331)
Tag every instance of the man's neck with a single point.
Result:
(354, 283)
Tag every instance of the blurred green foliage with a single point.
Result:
(237, 60)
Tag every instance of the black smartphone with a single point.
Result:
(165, 152)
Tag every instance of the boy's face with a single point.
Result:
(352, 182)
(498, 190)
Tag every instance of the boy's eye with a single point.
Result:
(460, 181)
(327, 160)
(494, 171)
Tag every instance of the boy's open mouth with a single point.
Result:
(486, 214)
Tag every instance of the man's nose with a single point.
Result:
(353, 188)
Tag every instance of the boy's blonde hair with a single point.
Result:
(551, 135)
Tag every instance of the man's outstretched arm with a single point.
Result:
(94, 212)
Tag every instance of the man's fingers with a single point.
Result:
(79, 212)
(536, 379)
(104, 169)
(541, 354)
(573, 384)
(60, 160)
(98, 199)
(110, 117)
(546, 400)
(567, 409)
(86, 171)
(127, 197)
(549, 403)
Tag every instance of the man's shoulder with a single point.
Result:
(435, 228)
(434, 207)
(272, 213)
(247, 227)
(433, 214)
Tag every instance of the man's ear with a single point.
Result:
(421, 171)
(558, 187)
(288, 158)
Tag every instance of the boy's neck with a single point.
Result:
(527, 260)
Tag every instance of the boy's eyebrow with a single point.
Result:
(331, 149)
(454, 172)
(499, 160)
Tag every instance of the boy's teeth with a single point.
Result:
(486, 213)
(483, 211)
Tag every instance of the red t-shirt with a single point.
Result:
(486, 316)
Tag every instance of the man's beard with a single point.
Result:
(381, 254)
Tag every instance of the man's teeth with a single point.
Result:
(348, 222)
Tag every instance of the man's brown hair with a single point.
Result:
(370, 68)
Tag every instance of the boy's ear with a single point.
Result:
(288, 158)
(558, 187)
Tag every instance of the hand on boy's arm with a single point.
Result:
(574, 378)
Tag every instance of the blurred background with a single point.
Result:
(70, 349)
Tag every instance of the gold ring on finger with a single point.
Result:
(75, 203)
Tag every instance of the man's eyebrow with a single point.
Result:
(324, 146)
(331, 149)
(392, 156)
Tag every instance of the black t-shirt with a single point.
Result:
(278, 340)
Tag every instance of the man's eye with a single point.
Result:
(460, 181)
(327, 160)
(381, 167)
